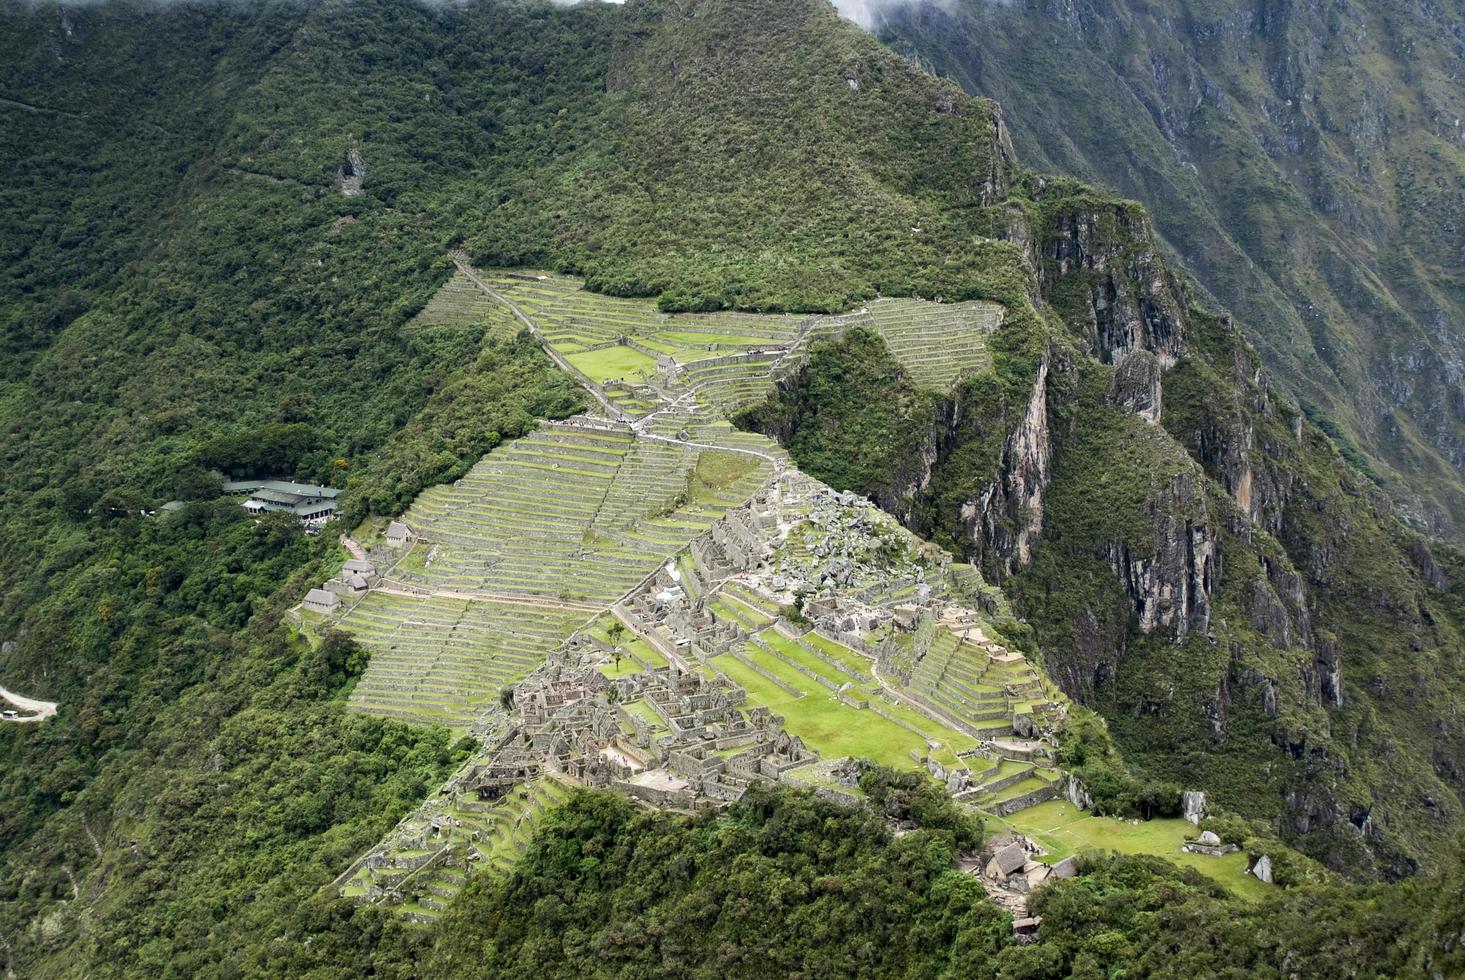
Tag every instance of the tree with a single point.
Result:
(615, 633)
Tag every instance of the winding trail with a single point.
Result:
(42, 709)
(461, 261)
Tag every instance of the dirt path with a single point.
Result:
(42, 709)
(394, 587)
(461, 261)
(27, 107)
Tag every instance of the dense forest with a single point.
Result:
(188, 296)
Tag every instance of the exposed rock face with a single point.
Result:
(352, 175)
(1171, 585)
(1257, 472)
(1008, 516)
(913, 474)
(1329, 669)
(1419, 553)
(1074, 792)
(1137, 386)
(1026, 466)
(1324, 102)
(1134, 301)
(1193, 806)
(1262, 869)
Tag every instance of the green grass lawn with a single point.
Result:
(826, 724)
(852, 659)
(655, 343)
(716, 470)
(1063, 829)
(800, 656)
(632, 644)
(627, 668)
(950, 738)
(618, 363)
(645, 712)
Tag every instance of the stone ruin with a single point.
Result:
(665, 736)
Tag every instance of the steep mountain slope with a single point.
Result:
(1307, 163)
(1195, 558)
(202, 782)
(219, 302)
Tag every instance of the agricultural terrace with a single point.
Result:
(537, 538)
(494, 834)
(571, 513)
(438, 660)
(967, 682)
(826, 691)
(731, 359)
(461, 303)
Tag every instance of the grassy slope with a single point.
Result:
(1062, 831)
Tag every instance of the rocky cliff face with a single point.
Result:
(1169, 583)
(1138, 386)
(1004, 519)
(1132, 302)
(1304, 161)
(1195, 559)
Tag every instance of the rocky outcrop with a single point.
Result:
(1193, 806)
(1004, 520)
(1075, 793)
(352, 175)
(912, 475)
(1170, 583)
(1238, 439)
(1133, 302)
(1137, 386)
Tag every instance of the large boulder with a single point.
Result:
(1262, 869)
(1193, 806)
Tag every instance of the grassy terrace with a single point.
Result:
(962, 681)
(568, 315)
(503, 828)
(1063, 829)
(565, 515)
(937, 342)
(816, 668)
(438, 660)
(461, 303)
(618, 363)
(571, 513)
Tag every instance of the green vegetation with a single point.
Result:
(618, 363)
(1327, 240)
(852, 392)
(1308, 572)
(1062, 831)
(208, 762)
(189, 290)
(783, 883)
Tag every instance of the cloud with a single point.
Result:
(868, 13)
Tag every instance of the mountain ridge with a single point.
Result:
(1301, 162)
